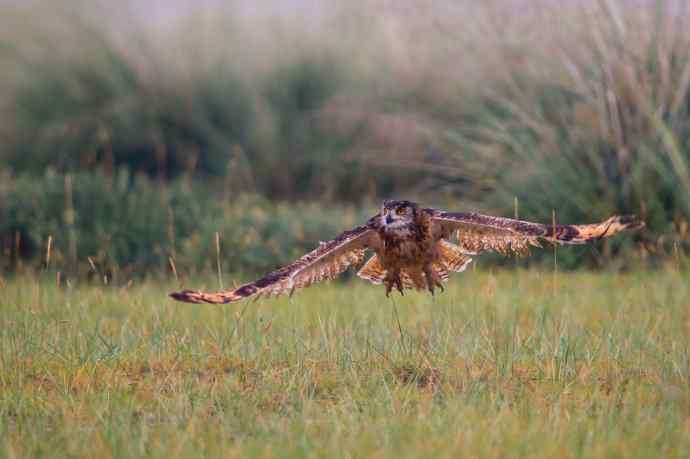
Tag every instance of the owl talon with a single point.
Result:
(399, 286)
(393, 281)
(432, 280)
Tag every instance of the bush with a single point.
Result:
(252, 123)
(133, 224)
(124, 225)
(588, 114)
(599, 126)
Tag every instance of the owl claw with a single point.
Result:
(388, 290)
(432, 286)
(432, 280)
(393, 281)
(399, 286)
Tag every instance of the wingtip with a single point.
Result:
(196, 297)
(186, 296)
(631, 221)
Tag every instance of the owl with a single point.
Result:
(413, 248)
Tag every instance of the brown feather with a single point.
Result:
(410, 254)
(373, 271)
(479, 233)
(452, 256)
(451, 259)
(413, 278)
(323, 263)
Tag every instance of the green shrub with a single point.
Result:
(77, 110)
(588, 115)
(133, 224)
(216, 112)
(123, 226)
(601, 126)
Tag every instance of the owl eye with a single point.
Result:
(400, 211)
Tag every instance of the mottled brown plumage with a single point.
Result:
(413, 250)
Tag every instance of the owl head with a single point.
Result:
(398, 214)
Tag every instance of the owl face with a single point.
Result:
(398, 215)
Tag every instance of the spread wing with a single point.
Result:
(325, 262)
(479, 233)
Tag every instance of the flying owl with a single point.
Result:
(413, 249)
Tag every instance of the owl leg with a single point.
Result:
(393, 279)
(432, 279)
(399, 285)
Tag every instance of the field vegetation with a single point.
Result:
(157, 145)
(505, 106)
(505, 364)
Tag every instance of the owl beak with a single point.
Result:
(389, 219)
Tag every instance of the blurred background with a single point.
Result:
(136, 133)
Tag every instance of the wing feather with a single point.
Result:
(373, 271)
(479, 233)
(453, 257)
(325, 262)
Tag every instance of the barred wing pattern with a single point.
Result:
(451, 258)
(479, 233)
(325, 262)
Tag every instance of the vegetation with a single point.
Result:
(98, 103)
(587, 115)
(514, 364)
(124, 227)
(142, 153)
(603, 130)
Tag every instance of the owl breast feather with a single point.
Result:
(402, 250)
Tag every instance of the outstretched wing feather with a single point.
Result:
(325, 262)
(479, 233)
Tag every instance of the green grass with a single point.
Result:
(506, 364)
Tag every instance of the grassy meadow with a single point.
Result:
(520, 363)
(152, 144)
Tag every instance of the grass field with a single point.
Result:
(506, 364)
